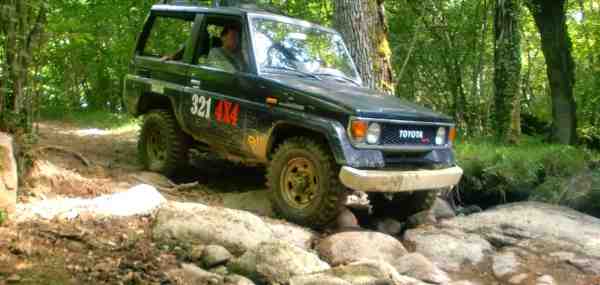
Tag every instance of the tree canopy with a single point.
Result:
(60, 56)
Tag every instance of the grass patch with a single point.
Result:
(95, 119)
(496, 173)
(3, 216)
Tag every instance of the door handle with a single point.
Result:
(196, 83)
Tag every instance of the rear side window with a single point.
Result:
(168, 37)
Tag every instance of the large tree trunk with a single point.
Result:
(550, 19)
(22, 24)
(507, 71)
(362, 24)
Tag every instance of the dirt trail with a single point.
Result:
(107, 251)
(59, 169)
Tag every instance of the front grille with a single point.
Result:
(390, 135)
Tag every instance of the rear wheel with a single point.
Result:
(402, 205)
(162, 147)
(304, 184)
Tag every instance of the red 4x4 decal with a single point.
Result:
(227, 112)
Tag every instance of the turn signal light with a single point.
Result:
(358, 130)
(452, 135)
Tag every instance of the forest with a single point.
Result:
(519, 77)
(503, 189)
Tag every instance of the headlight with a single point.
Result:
(373, 133)
(440, 137)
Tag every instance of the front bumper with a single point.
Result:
(399, 180)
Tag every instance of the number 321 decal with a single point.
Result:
(201, 106)
(225, 111)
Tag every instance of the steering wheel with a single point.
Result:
(287, 56)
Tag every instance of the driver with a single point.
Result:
(228, 57)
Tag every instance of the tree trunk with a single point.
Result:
(507, 71)
(550, 19)
(22, 26)
(364, 29)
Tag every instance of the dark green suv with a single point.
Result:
(261, 88)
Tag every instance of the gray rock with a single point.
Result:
(527, 225)
(366, 272)
(448, 248)
(221, 270)
(147, 201)
(237, 231)
(418, 266)
(585, 264)
(463, 282)
(442, 209)
(235, 279)
(8, 174)
(215, 255)
(518, 279)
(505, 263)
(276, 262)
(545, 280)
(196, 253)
(345, 247)
(257, 202)
(291, 233)
(192, 274)
(389, 226)
(421, 218)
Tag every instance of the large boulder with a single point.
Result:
(8, 174)
(351, 246)
(146, 201)
(276, 262)
(367, 272)
(448, 248)
(184, 223)
(291, 233)
(418, 266)
(535, 226)
(190, 274)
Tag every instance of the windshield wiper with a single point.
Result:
(338, 76)
(305, 74)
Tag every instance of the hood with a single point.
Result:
(363, 101)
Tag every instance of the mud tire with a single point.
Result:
(328, 197)
(162, 146)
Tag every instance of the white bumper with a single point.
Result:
(399, 180)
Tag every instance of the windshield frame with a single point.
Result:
(302, 23)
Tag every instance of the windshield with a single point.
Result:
(301, 48)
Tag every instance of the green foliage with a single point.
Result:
(505, 173)
(3, 216)
(94, 119)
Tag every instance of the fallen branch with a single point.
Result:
(77, 155)
(172, 186)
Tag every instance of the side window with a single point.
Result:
(168, 37)
(223, 44)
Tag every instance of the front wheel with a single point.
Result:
(304, 184)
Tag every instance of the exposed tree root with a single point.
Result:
(77, 155)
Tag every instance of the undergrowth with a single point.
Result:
(531, 170)
(93, 119)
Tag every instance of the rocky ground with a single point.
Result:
(89, 215)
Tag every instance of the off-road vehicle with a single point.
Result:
(296, 105)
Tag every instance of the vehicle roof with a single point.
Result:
(184, 7)
(228, 10)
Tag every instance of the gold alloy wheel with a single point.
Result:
(299, 183)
